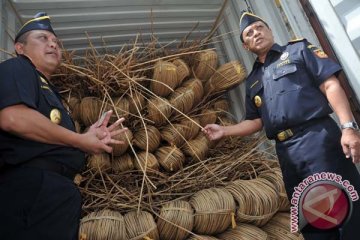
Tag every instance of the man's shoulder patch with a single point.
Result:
(296, 40)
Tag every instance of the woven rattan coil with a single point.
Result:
(104, 224)
(122, 163)
(159, 110)
(147, 138)
(214, 210)
(279, 228)
(205, 64)
(244, 231)
(148, 159)
(182, 70)
(175, 218)
(170, 158)
(165, 78)
(119, 149)
(140, 225)
(257, 201)
(99, 162)
(225, 77)
(90, 108)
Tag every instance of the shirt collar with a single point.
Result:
(275, 48)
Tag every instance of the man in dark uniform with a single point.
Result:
(291, 91)
(40, 152)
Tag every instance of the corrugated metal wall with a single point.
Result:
(9, 24)
(340, 21)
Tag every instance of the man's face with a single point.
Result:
(42, 47)
(258, 37)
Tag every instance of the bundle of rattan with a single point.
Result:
(122, 163)
(170, 158)
(99, 162)
(214, 210)
(74, 108)
(205, 64)
(147, 159)
(173, 134)
(244, 232)
(176, 220)
(202, 237)
(147, 138)
(140, 225)
(191, 127)
(221, 107)
(159, 110)
(90, 108)
(257, 201)
(225, 77)
(165, 78)
(182, 69)
(196, 148)
(136, 102)
(274, 176)
(182, 99)
(119, 149)
(197, 87)
(207, 116)
(278, 228)
(104, 224)
(120, 105)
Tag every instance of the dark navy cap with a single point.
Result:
(247, 19)
(41, 21)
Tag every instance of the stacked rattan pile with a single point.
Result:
(167, 180)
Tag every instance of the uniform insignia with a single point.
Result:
(296, 40)
(256, 82)
(43, 80)
(320, 53)
(55, 116)
(258, 101)
(284, 56)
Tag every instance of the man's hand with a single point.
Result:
(99, 135)
(350, 142)
(213, 131)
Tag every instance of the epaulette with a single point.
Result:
(296, 40)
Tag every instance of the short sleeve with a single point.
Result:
(318, 64)
(251, 110)
(18, 83)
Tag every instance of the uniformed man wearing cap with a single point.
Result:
(291, 91)
(40, 152)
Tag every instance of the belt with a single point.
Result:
(52, 166)
(288, 133)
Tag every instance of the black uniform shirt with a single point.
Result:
(284, 91)
(21, 83)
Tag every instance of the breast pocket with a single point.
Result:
(285, 79)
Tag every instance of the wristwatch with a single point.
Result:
(352, 125)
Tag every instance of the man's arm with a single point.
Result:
(27, 123)
(244, 128)
(335, 94)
